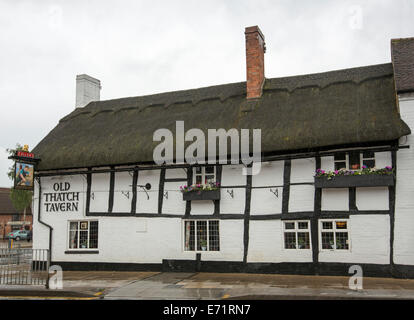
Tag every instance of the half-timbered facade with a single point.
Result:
(101, 203)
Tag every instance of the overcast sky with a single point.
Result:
(144, 47)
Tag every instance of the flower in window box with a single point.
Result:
(199, 187)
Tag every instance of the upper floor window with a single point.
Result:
(204, 175)
(354, 160)
(368, 159)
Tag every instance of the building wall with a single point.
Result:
(283, 190)
(404, 202)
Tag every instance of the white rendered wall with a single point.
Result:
(301, 198)
(327, 163)
(335, 199)
(302, 170)
(383, 159)
(147, 200)
(122, 192)
(369, 241)
(266, 244)
(267, 200)
(271, 174)
(372, 198)
(172, 202)
(404, 202)
(99, 192)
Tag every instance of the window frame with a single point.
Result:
(203, 174)
(346, 161)
(195, 236)
(78, 235)
(362, 158)
(334, 230)
(296, 230)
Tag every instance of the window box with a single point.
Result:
(202, 195)
(363, 180)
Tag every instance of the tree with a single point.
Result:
(21, 199)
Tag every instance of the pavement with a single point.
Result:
(96, 285)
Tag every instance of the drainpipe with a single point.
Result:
(50, 231)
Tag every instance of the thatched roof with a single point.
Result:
(341, 107)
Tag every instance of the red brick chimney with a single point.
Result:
(255, 49)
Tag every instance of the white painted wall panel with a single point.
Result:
(234, 205)
(122, 192)
(180, 173)
(174, 204)
(265, 202)
(302, 170)
(327, 163)
(372, 198)
(145, 205)
(301, 198)
(271, 174)
(232, 175)
(266, 244)
(383, 159)
(335, 199)
(99, 192)
(202, 207)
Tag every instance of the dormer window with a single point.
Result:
(204, 175)
(341, 161)
(354, 160)
(368, 159)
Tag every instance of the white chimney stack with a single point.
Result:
(87, 89)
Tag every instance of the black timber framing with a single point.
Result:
(111, 190)
(314, 221)
(88, 191)
(246, 224)
(219, 170)
(189, 183)
(161, 190)
(134, 192)
(286, 186)
(391, 201)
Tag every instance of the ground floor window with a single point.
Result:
(334, 234)
(296, 234)
(201, 235)
(83, 234)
